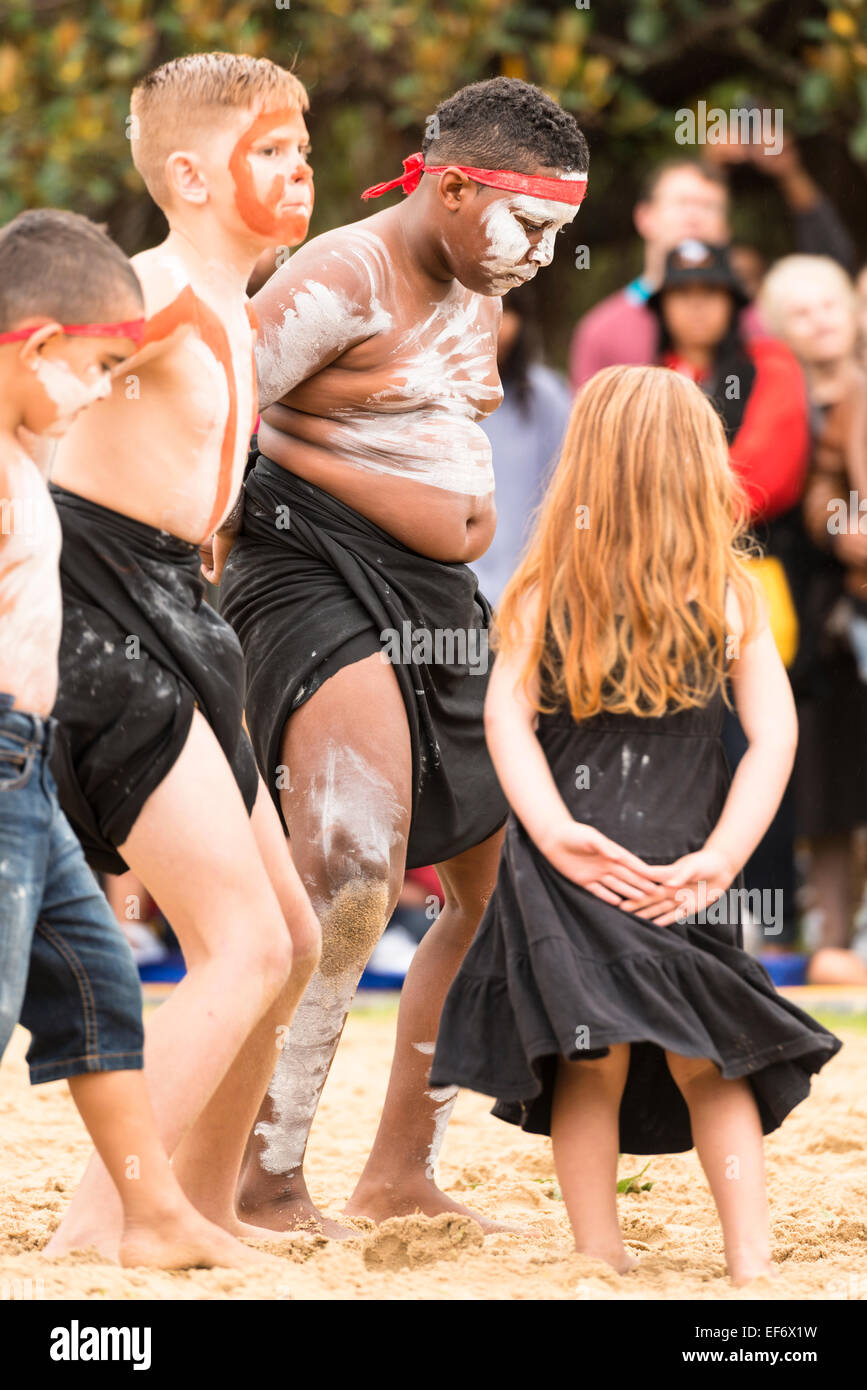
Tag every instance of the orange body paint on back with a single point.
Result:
(254, 324)
(188, 310)
(260, 214)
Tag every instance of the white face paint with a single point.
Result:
(506, 222)
(68, 392)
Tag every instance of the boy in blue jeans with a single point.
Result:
(70, 313)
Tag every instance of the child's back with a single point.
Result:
(606, 999)
(655, 784)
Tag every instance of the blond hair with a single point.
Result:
(642, 513)
(789, 274)
(175, 104)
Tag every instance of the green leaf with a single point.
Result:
(632, 1184)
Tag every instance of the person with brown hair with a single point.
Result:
(70, 315)
(611, 1018)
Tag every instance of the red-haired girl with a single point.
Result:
(607, 999)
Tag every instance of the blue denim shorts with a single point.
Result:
(66, 971)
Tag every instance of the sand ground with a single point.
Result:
(817, 1183)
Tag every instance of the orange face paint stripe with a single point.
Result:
(260, 214)
(190, 311)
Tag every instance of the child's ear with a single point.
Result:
(184, 177)
(32, 346)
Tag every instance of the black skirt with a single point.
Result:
(556, 972)
(141, 649)
(311, 586)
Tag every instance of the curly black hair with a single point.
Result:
(504, 123)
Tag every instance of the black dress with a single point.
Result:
(555, 971)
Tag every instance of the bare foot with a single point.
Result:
(617, 1257)
(391, 1199)
(747, 1266)
(185, 1240)
(283, 1214)
(63, 1242)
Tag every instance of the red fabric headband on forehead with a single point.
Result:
(561, 190)
(126, 328)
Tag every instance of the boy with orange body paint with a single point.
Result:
(153, 766)
(66, 972)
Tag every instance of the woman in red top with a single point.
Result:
(758, 388)
(757, 384)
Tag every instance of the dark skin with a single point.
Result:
(440, 304)
(435, 243)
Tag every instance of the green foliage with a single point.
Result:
(634, 1184)
(375, 69)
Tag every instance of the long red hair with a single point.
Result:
(642, 513)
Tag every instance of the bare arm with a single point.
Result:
(766, 709)
(313, 309)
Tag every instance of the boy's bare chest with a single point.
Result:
(426, 357)
(208, 373)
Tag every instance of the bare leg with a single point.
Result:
(208, 1159)
(585, 1137)
(830, 878)
(347, 808)
(160, 1227)
(728, 1138)
(194, 848)
(400, 1175)
(832, 966)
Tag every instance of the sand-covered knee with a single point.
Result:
(352, 924)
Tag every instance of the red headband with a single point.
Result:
(127, 328)
(561, 190)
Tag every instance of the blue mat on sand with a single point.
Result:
(786, 970)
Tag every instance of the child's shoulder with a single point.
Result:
(353, 255)
(163, 277)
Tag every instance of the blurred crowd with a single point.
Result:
(782, 351)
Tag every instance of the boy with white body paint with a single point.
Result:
(70, 313)
(153, 766)
(372, 490)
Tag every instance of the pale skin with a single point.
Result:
(816, 318)
(161, 450)
(684, 205)
(375, 403)
(723, 1114)
(159, 1226)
